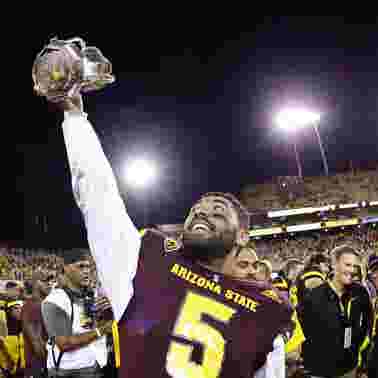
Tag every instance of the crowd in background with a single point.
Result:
(18, 266)
(301, 246)
(294, 192)
(19, 263)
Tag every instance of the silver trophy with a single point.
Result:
(65, 68)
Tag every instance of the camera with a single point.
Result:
(89, 302)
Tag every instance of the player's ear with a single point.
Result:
(242, 237)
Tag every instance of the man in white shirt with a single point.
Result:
(76, 347)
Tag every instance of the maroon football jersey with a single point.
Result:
(187, 321)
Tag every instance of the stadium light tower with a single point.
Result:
(141, 174)
(291, 119)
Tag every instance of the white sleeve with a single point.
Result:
(275, 364)
(59, 298)
(113, 239)
(278, 359)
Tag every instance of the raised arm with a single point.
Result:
(113, 239)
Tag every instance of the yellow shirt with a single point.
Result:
(15, 348)
(116, 344)
(297, 338)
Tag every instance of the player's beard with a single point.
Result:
(209, 246)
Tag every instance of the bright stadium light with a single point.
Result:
(140, 173)
(293, 118)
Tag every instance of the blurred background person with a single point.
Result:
(35, 335)
(12, 353)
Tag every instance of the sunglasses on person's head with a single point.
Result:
(11, 285)
(49, 278)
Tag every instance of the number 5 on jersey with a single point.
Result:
(190, 327)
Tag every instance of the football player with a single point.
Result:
(179, 315)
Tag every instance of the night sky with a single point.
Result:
(201, 104)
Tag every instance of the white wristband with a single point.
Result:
(98, 332)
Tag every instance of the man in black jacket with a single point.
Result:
(336, 320)
(373, 359)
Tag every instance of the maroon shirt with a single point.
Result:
(32, 315)
(184, 317)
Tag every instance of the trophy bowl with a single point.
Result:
(65, 68)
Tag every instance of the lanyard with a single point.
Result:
(375, 322)
(341, 305)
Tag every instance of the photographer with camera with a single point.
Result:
(76, 330)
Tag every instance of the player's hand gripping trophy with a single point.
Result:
(65, 69)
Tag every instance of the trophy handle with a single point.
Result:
(61, 42)
(56, 44)
(78, 41)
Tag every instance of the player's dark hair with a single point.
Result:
(243, 213)
(290, 265)
(316, 259)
